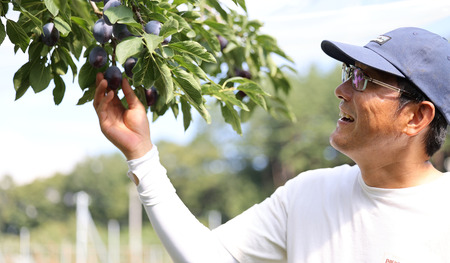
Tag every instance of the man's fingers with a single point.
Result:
(101, 85)
(132, 99)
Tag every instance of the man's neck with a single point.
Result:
(399, 174)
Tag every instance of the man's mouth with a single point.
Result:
(345, 117)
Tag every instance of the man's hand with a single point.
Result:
(128, 129)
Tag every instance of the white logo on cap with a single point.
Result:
(381, 39)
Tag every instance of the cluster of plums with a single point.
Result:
(103, 32)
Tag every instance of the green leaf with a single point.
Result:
(36, 21)
(186, 109)
(122, 15)
(144, 72)
(165, 87)
(192, 91)
(67, 58)
(221, 29)
(211, 38)
(87, 76)
(231, 116)
(241, 3)
(2, 32)
(59, 90)
(247, 85)
(193, 48)
(62, 26)
(183, 25)
(189, 85)
(17, 35)
(88, 95)
(128, 48)
(52, 7)
(59, 65)
(21, 80)
(170, 27)
(40, 76)
(152, 41)
(81, 22)
(189, 65)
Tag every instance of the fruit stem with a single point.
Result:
(96, 10)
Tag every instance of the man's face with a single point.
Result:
(369, 123)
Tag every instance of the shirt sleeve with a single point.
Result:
(184, 237)
(258, 234)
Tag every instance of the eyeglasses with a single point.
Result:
(360, 79)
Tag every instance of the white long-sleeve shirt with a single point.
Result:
(325, 215)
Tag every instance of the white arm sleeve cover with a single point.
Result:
(184, 237)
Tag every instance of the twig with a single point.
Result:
(96, 10)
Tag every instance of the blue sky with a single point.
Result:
(38, 138)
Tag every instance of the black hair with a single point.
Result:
(435, 137)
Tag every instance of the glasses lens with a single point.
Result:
(344, 75)
(358, 79)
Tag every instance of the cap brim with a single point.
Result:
(350, 53)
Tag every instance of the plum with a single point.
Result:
(152, 96)
(102, 31)
(243, 73)
(167, 39)
(121, 31)
(98, 57)
(50, 34)
(222, 41)
(152, 27)
(109, 4)
(128, 66)
(113, 76)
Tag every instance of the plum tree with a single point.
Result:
(50, 34)
(153, 27)
(151, 96)
(121, 31)
(129, 65)
(102, 31)
(98, 57)
(109, 4)
(177, 47)
(114, 77)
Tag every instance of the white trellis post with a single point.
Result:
(135, 225)
(82, 227)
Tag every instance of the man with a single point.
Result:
(393, 206)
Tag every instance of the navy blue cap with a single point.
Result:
(408, 52)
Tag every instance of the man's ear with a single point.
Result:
(421, 115)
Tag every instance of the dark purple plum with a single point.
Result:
(152, 96)
(102, 31)
(152, 27)
(167, 39)
(243, 73)
(129, 65)
(121, 31)
(113, 76)
(109, 4)
(50, 34)
(98, 57)
(222, 41)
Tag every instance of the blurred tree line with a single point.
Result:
(217, 170)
